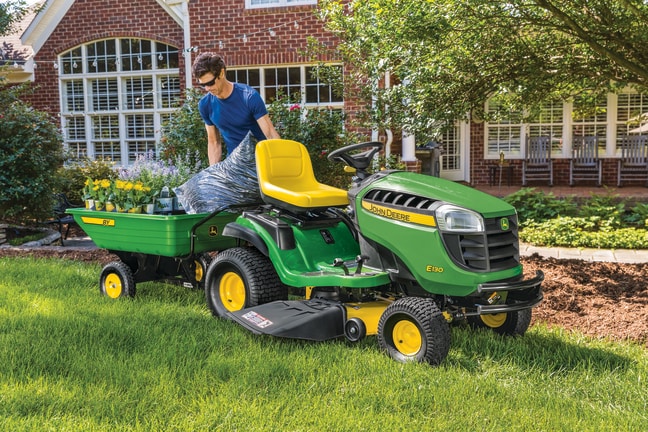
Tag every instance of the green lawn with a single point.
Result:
(73, 360)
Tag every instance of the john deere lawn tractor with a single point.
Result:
(400, 256)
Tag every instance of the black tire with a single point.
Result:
(201, 263)
(508, 324)
(117, 280)
(414, 329)
(240, 278)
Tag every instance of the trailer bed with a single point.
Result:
(165, 235)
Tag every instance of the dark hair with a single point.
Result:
(208, 62)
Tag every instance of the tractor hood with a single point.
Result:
(438, 189)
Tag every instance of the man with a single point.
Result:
(233, 109)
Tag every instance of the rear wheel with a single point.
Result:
(240, 278)
(509, 324)
(117, 280)
(414, 329)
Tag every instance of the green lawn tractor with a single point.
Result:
(400, 256)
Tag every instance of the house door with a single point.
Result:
(454, 160)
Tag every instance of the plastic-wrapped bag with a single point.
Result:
(232, 181)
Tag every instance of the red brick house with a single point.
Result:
(114, 71)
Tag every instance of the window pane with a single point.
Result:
(73, 96)
(632, 114)
(140, 134)
(590, 119)
(169, 92)
(71, 62)
(136, 55)
(139, 93)
(75, 128)
(548, 121)
(105, 137)
(504, 130)
(167, 56)
(105, 94)
(102, 57)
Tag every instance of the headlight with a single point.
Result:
(457, 219)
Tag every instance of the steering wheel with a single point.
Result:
(359, 161)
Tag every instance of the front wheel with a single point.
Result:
(117, 280)
(509, 324)
(414, 329)
(240, 278)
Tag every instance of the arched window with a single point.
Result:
(115, 96)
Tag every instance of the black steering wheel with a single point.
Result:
(359, 161)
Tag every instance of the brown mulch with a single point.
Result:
(606, 300)
(599, 299)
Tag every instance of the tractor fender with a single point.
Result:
(238, 231)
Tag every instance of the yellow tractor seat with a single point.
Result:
(286, 178)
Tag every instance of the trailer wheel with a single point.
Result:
(240, 278)
(414, 329)
(201, 263)
(509, 324)
(117, 280)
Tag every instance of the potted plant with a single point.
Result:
(89, 194)
(104, 191)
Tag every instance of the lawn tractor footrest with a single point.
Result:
(315, 320)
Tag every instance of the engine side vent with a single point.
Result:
(401, 200)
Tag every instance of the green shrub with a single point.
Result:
(581, 232)
(30, 154)
(72, 177)
(637, 216)
(599, 221)
(534, 205)
(184, 133)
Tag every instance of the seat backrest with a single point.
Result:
(634, 149)
(538, 150)
(284, 163)
(585, 150)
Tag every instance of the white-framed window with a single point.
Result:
(609, 117)
(590, 118)
(631, 115)
(115, 95)
(504, 130)
(301, 83)
(257, 4)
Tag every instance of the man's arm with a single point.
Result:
(214, 145)
(267, 127)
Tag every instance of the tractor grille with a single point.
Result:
(496, 249)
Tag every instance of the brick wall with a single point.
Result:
(228, 20)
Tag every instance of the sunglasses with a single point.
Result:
(208, 83)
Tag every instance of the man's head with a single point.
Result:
(208, 62)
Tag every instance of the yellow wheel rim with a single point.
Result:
(200, 271)
(494, 320)
(407, 338)
(232, 291)
(113, 285)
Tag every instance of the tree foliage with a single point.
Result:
(11, 12)
(446, 57)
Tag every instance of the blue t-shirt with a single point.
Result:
(234, 116)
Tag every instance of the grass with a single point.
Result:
(73, 360)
